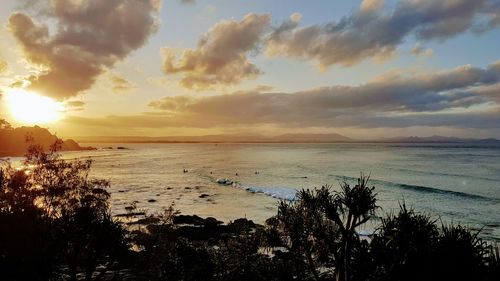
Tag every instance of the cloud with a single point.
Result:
(372, 33)
(175, 103)
(369, 6)
(89, 37)
(492, 92)
(120, 84)
(421, 51)
(74, 105)
(463, 120)
(221, 57)
(188, 1)
(3, 66)
(465, 97)
(390, 101)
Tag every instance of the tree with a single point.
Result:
(402, 246)
(320, 227)
(71, 211)
(410, 246)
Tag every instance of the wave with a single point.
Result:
(426, 189)
(442, 174)
(283, 193)
(288, 193)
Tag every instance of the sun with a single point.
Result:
(31, 108)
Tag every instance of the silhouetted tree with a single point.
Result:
(57, 199)
(460, 255)
(410, 246)
(320, 227)
(402, 246)
(493, 263)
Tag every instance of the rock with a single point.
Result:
(188, 219)
(152, 200)
(132, 214)
(204, 195)
(242, 224)
(224, 181)
(212, 222)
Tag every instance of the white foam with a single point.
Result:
(283, 193)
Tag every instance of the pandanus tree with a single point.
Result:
(319, 228)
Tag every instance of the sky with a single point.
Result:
(364, 69)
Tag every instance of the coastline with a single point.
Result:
(146, 172)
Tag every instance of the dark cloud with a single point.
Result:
(490, 91)
(89, 36)
(221, 57)
(371, 32)
(426, 100)
(395, 98)
(468, 120)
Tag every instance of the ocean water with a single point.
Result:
(454, 183)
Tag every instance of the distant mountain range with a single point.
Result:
(438, 139)
(298, 138)
(286, 138)
(13, 141)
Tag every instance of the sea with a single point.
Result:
(453, 183)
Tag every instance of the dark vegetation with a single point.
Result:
(55, 224)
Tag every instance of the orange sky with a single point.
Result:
(364, 69)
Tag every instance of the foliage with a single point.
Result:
(320, 227)
(402, 245)
(411, 246)
(52, 204)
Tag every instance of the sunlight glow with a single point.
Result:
(31, 108)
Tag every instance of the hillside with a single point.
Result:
(13, 141)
